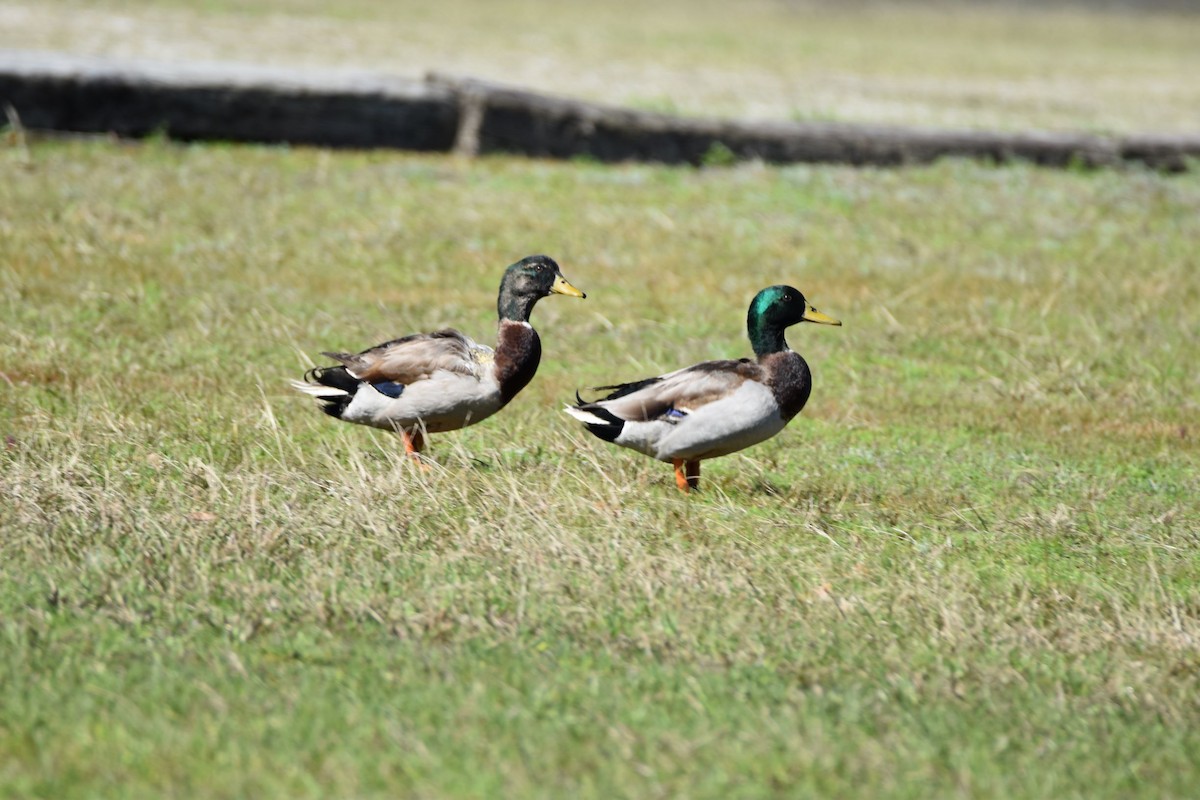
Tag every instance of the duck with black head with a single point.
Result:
(442, 381)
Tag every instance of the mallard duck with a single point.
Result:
(716, 407)
(442, 381)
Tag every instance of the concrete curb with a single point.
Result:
(212, 101)
(360, 109)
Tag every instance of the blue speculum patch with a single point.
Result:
(675, 413)
(390, 388)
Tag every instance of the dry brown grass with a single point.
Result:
(968, 569)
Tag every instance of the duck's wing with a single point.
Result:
(414, 358)
(678, 393)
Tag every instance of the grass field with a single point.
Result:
(970, 568)
(982, 64)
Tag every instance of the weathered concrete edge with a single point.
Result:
(362, 109)
(515, 120)
(224, 102)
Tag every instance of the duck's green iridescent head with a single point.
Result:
(774, 309)
(528, 281)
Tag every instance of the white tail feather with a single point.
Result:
(317, 389)
(585, 417)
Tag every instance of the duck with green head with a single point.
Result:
(442, 381)
(713, 408)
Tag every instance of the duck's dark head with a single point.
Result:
(528, 281)
(774, 309)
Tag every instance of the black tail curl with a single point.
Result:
(610, 429)
(335, 378)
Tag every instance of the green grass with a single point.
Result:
(978, 64)
(968, 569)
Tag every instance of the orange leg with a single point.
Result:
(683, 481)
(414, 443)
(693, 473)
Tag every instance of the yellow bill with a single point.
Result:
(563, 286)
(812, 315)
